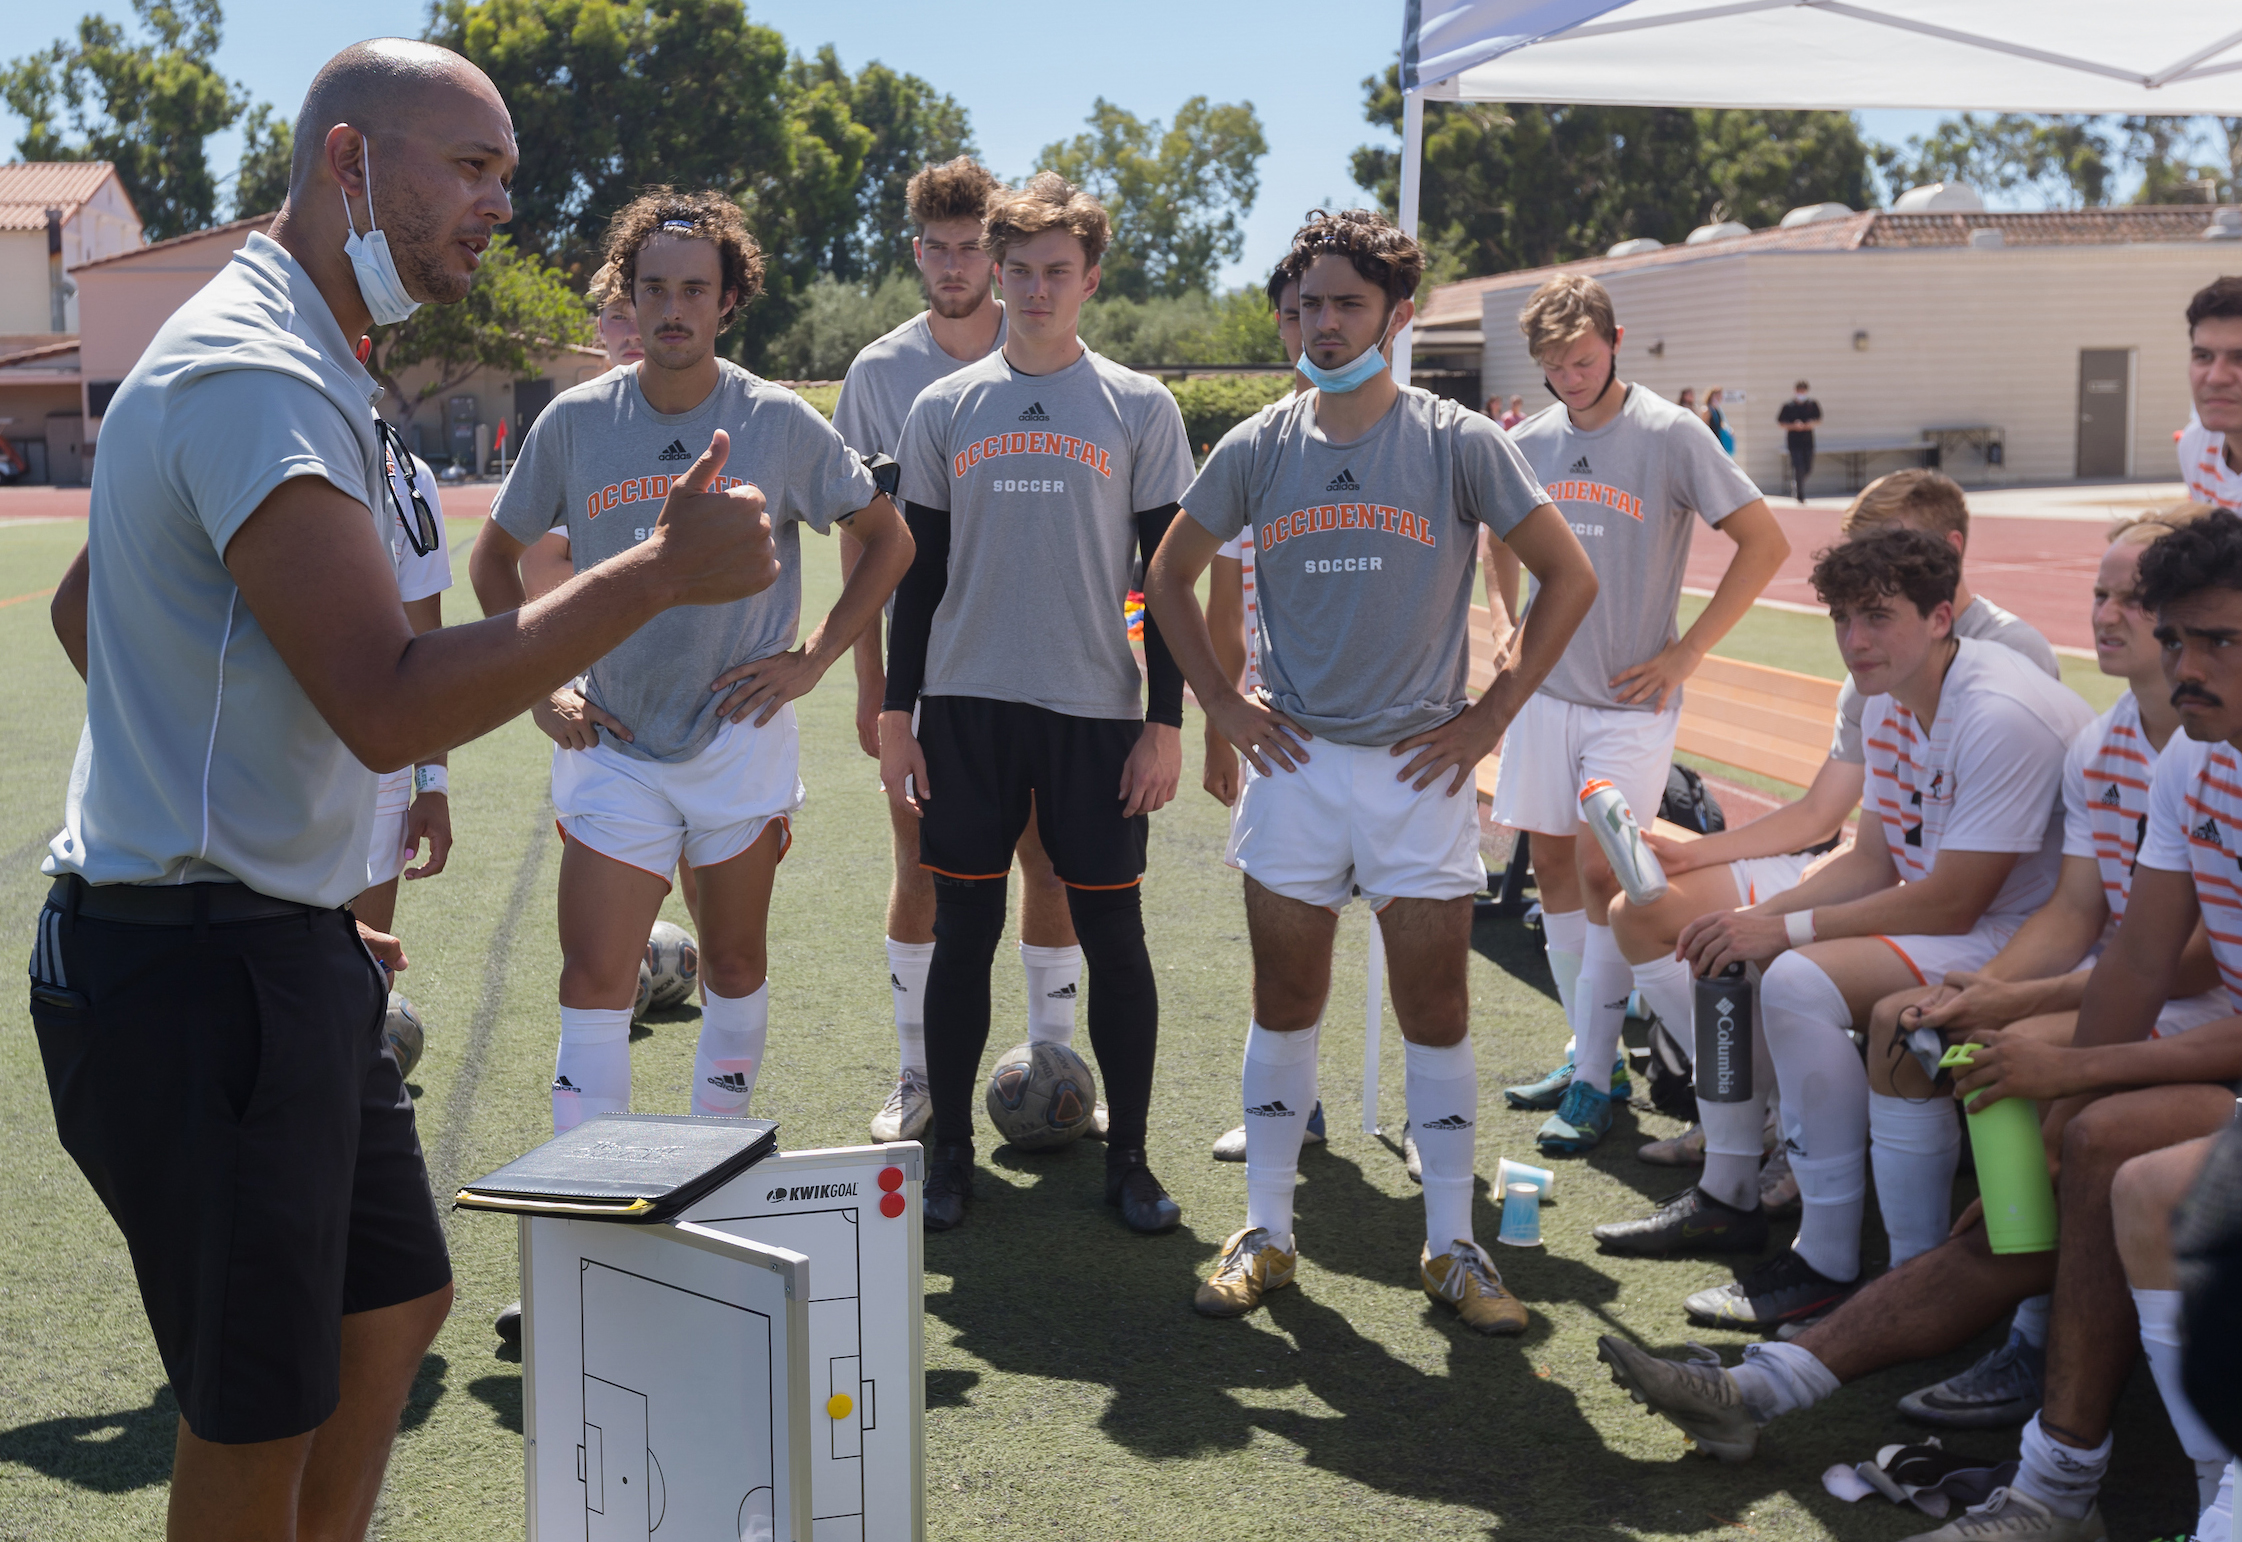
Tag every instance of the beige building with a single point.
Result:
(54, 216)
(2026, 347)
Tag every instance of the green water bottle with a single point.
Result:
(2011, 1169)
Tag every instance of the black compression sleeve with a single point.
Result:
(915, 599)
(1163, 676)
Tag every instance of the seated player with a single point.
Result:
(1965, 745)
(1633, 474)
(2117, 1092)
(1361, 741)
(1759, 860)
(1031, 479)
(706, 768)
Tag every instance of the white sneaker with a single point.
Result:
(2006, 1513)
(909, 1109)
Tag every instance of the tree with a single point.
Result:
(610, 97)
(1176, 193)
(268, 143)
(519, 307)
(2065, 162)
(912, 125)
(1510, 185)
(147, 104)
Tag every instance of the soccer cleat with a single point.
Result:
(1465, 1278)
(1783, 1289)
(1689, 1222)
(508, 1325)
(1129, 1186)
(1684, 1150)
(2003, 1389)
(1248, 1270)
(1550, 1090)
(1778, 1188)
(949, 1184)
(2017, 1518)
(1231, 1147)
(1695, 1395)
(908, 1110)
(1578, 1124)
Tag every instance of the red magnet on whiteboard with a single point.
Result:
(891, 1179)
(891, 1205)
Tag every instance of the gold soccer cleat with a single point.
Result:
(1465, 1278)
(1248, 1270)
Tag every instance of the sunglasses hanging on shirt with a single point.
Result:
(420, 520)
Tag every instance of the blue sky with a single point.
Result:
(1300, 64)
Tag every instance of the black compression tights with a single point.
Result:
(1124, 1001)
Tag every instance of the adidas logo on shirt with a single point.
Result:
(2208, 831)
(676, 451)
(1344, 482)
(1065, 992)
(1274, 1109)
(2112, 797)
(1035, 414)
(1452, 1122)
(1580, 468)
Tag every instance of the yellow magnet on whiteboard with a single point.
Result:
(838, 1406)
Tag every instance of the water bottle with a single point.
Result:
(1724, 1037)
(1603, 808)
(2011, 1169)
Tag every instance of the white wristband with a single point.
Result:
(1799, 927)
(432, 779)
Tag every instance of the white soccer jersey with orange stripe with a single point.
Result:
(1240, 548)
(2195, 827)
(2203, 467)
(1986, 775)
(2106, 797)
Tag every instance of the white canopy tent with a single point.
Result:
(2043, 56)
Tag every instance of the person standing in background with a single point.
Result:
(1801, 415)
(1687, 401)
(1515, 415)
(1717, 421)
(2206, 446)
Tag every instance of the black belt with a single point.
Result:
(185, 904)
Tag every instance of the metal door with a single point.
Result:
(2105, 412)
(65, 448)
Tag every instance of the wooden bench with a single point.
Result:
(1771, 722)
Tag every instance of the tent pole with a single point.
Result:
(1412, 173)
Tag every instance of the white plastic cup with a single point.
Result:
(1508, 1172)
(1521, 1216)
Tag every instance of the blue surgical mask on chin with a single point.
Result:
(378, 283)
(1347, 377)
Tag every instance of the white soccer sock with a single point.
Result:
(1778, 1378)
(2217, 1521)
(2063, 1478)
(907, 963)
(1054, 981)
(1279, 1083)
(1564, 934)
(2031, 1320)
(1736, 1133)
(1669, 991)
(592, 1072)
(1442, 1088)
(1825, 1109)
(733, 1032)
(2160, 1339)
(1915, 1147)
(1600, 1007)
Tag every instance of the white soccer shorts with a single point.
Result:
(385, 852)
(2185, 1012)
(1930, 958)
(1762, 878)
(1554, 748)
(1342, 821)
(648, 813)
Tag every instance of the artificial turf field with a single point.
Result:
(1071, 1390)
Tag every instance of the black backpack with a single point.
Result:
(1690, 803)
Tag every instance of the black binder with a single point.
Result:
(624, 1167)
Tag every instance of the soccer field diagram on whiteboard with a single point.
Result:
(665, 1386)
(853, 1212)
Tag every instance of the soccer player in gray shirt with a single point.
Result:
(1367, 501)
(1030, 479)
(706, 764)
(963, 323)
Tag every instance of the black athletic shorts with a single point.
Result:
(225, 1092)
(985, 758)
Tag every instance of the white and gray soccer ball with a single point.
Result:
(402, 1036)
(641, 1006)
(676, 965)
(1041, 1096)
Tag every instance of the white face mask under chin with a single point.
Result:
(378, 282)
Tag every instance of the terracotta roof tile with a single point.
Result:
(28, 189)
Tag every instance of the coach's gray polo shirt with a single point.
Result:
(202, 759)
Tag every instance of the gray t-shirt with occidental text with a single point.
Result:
(1629, 490)
(887, 375)
(599, 461)
(1365, 554)
(202, 759)
(1043, 477)
(1981, 621)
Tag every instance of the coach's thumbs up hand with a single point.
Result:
(715, 546)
